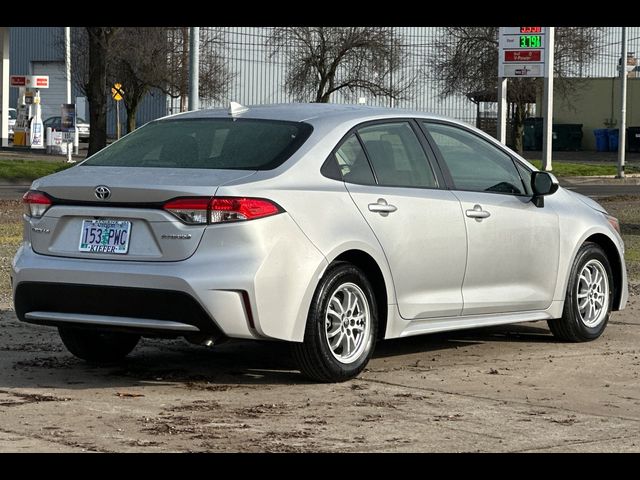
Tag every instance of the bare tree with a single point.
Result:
(143, 60)
(324, 60)
(139, 63)
(465, 60)
(99, 43)
(214, 73)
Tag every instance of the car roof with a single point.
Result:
(308, 112)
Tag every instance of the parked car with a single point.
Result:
(81, 124)
(330, 227)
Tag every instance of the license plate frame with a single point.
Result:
(105, 236)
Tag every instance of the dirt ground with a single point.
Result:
(501, 389)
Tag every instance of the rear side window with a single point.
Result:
(352, 162)
(212, 143)
(397, 156)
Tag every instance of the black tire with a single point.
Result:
(97, 346)
(571, 327)
(314, 356)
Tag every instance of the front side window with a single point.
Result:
(475, 164)
(396, 155)
(212, 143)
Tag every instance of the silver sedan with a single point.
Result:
(330, 227)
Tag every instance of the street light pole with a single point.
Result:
(622, 135)
(547, 101)
(194, 68)
(67, 65)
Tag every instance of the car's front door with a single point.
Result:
(419, 226)
(513, 247)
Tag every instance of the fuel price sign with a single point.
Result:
(521, 52)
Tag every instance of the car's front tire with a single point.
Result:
(589, 297)
(96, 346)
(341, 326)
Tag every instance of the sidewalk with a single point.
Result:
(584, 157)
(21, 153)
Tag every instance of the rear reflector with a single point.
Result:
(36, 203)
(203, 210)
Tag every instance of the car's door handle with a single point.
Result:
(478, 213)
(382, 207)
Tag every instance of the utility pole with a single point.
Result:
(194, 68)
(622, 136)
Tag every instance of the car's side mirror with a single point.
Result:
(542, 184)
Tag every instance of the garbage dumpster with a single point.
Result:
(533, 133)
(613, 139)
(602, 139)
(567, 136)
(633, 139)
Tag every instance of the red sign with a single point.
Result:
(29, 81)
(523, 56)
(17, 80)
(530, 29)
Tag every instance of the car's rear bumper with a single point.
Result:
(246, 280)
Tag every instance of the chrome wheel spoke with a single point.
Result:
(337, 306)
(346, 348)
(335, 344)
(331, 334)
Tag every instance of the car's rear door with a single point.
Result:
(513, 245)
(418, 224)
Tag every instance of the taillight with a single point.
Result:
(36, 203)
(231, 209)
(205, 210)
(192, 211)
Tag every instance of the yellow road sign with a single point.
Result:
(117, 92)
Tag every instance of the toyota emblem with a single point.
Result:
(102, 192)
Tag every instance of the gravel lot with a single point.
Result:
(510, 388)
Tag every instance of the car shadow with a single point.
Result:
(461, 338)
(234, 363)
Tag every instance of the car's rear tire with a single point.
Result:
(589, 297)
(341, 326)
(97, 346)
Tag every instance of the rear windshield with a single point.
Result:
(223, 143)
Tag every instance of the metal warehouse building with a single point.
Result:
(258, 78)
(40, 51)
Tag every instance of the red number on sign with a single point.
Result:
(530, 29)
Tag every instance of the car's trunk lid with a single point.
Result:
(136, 196)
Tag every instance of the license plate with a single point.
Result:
(105, 236)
